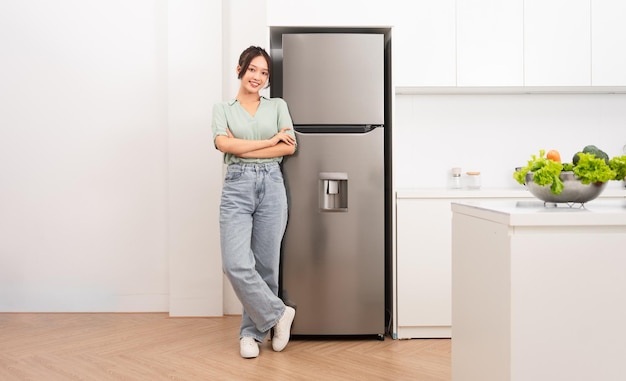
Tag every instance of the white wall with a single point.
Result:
(108, 183)
(83, 156)
(496, 133)
(195, 176)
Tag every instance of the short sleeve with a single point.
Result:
(219, 123)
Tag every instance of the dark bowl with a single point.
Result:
(574, 191)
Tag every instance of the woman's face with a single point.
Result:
(255, 78)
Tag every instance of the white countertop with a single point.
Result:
(533, 212)
(520, 192)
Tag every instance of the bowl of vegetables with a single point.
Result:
(574, 191)
(580, 181)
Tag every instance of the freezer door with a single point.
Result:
(334, 247)
(334, 78)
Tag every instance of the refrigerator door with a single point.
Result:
(334, 78)
(334, 246)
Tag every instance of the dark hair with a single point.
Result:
(248, 55)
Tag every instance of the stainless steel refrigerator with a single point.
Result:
(335, 82)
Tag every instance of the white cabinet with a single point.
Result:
(423, 268)
(608, 38)
(490, 41)
(557, 43)
(328, 13)
(538, 294)
(424, 43)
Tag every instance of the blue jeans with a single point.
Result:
(253, 217)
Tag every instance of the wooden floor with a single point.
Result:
(98, 347)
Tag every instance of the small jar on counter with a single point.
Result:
(472, 180)
(455, 180)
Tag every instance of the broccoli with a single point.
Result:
(597, 152)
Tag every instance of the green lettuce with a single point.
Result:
(591, 169)
(546, 172)
(618, 164)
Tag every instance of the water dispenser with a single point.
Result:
(333, 191)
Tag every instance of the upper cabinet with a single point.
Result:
(608, 38)
(330, 13)
(484, 43)
(423, 38)
(557, 43)
(489, 43)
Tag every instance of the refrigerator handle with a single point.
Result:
(333, 191)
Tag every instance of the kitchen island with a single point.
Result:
(538, 293)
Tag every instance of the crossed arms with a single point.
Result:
(281, 144)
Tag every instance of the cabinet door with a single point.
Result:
(557, 42)
(608, 38)
(490, 41)
(423, 265)
(328, 13)
(424, 43)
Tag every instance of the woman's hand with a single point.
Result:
(284, 137)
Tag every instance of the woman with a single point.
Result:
(254, 133)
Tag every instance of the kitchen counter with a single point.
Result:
(533, 212)
(518, 193)
(538, 292)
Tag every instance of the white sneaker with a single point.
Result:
(248, 347)
(282, 329)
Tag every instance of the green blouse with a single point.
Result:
(271, 116)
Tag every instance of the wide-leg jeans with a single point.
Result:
(253, 217)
